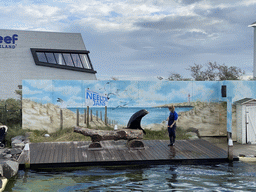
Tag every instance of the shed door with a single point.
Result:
(251, 124)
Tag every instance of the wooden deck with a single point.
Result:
(72, 154)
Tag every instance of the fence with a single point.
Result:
(88, 117)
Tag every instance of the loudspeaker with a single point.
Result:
(224, 91)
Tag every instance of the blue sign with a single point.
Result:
(95, 99)
(9, 41)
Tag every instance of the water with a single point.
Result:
(123, 114)
(238, 176)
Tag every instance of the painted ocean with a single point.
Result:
(122, 114)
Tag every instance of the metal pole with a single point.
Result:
(229, 128)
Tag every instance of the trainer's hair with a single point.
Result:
(171, 108)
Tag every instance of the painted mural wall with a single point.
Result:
(199, 104)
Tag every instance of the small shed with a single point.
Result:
(246, 120)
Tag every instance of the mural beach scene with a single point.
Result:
(122, 99)
(199, 104)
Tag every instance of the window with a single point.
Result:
(77, 60)
(50, 58)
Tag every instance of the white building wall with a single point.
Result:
(18, 64)
(239, 123)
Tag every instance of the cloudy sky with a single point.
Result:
(143, 39)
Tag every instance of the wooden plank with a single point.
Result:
(52, 152)
(72, 150)
(149, 150)
(60, 149)
(111, 149)
(44, 153)
(56, 153)
(65, 153)
(75, 149)
(40, 152)
(35, 152)
(171, 150)
(205, 151)
(183, 150)
(209, 149)
(157, 150)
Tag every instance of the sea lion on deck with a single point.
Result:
(134, 122)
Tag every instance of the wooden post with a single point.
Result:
(84, 116)
(101, 115)
(87, 118)
(106, 116)
(61, 120)
(97, 115)
(91, 115)
(77, 117)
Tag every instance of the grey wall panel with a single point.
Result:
(17, 63)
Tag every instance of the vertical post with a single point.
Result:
(101, 115)
(91, 114)
(61, 119)
(106, 116)
(77, 117)
(87, 118)
(27, 156)
(84, 116)
(5, 113)
(229, 128)
(97, 115)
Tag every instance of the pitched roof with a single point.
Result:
(252, 25)
(243, 101)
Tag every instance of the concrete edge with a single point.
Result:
(247, 159)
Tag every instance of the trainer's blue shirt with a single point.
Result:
(172, 117)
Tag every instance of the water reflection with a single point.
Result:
(222, 177)
(173, 178)
(172, 152)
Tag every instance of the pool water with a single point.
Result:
(238, 176)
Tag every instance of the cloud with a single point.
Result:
(142, 39)
(68, 90)
(241, 90)
(27, 91)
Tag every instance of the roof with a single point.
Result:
(252, 25)
(243, 101)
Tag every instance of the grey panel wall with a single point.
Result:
(16, 63)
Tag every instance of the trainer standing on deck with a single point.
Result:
(173, 117)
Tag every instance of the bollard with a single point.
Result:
(27, 156)
(230, 149)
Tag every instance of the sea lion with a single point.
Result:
(134, 122)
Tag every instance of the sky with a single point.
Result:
(145, 39)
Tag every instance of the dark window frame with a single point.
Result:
(37, 62)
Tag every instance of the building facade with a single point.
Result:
(41, 55)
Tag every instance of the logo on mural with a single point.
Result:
(8, 42)
(93, 98)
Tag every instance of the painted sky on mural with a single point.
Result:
(120, 93)
(143, 39)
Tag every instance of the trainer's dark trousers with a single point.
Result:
(172, 134)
